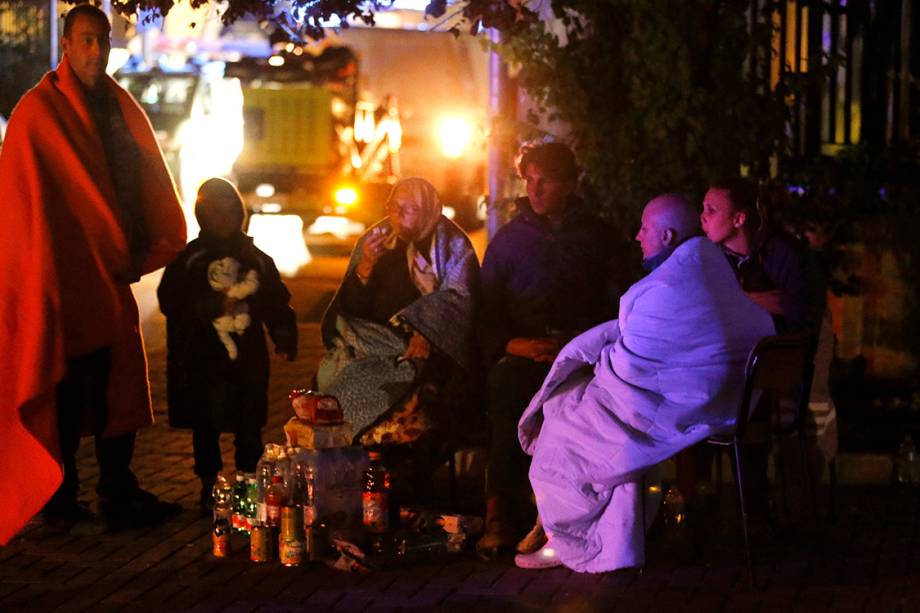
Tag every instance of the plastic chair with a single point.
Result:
(781, 367)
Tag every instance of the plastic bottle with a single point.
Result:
(375, 496)
(252, 503)
(220, 538)
(222, 493)
(275, 499)
(264, 481)
(237, 520)
(223, 500)
(906, 463)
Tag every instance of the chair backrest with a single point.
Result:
(781, 367)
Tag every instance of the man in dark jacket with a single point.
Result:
(546, 277)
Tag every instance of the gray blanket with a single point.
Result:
(362, 367)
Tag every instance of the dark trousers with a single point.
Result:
(511, 384)
(81, 405)
(206, 447)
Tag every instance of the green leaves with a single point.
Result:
(655, 93)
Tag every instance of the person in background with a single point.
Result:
(779, 272)
(628, 394)
(548, 275)
(217, 296)
(88, 207)
(775, 269)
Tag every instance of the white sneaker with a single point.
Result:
(534, 540)
(545, 557)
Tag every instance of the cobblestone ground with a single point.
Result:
(868, 559)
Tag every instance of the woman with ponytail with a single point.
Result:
(780, 273)
(775, 269)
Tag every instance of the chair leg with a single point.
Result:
(739, 480)
(779, 470)
(810, 484)
(832, 488)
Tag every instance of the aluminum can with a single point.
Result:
(291, 551)
(291, 540)
(260, 544)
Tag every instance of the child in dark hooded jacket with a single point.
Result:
(217, 295)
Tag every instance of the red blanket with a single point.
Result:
(62, 247)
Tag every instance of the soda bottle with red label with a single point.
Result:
(275, 499)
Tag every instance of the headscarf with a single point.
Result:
(422, 269)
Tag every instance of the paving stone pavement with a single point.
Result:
(867, 561)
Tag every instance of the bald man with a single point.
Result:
(629, 394)
(667, 221)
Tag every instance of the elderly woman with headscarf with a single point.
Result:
(399, 331)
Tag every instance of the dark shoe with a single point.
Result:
(74, 518)
(497, 540)
(136, 509)
(499, 536)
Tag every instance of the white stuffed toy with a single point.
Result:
(224, 277)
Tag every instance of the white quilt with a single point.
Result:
(631, 393)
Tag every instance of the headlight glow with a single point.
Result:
(345, 195)
(265, 190)
(455, 133)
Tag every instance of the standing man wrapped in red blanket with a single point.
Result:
(87, 206)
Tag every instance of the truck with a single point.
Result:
(290, 129)
(311, 145)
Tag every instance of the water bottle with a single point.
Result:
(906, 463)
(275, 499)
(239, 503)
(223, 510)
(223, 500)
(264, 481)
(252, 503)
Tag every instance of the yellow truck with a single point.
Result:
(310, 146)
